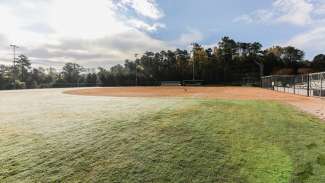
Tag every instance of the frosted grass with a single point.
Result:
(50, 111)
(45, 130)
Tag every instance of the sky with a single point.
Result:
(103, 33)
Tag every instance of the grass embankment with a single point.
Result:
(204, 141)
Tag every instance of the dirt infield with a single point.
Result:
(194, 92)
(315, 106)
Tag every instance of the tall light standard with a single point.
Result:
(14, 47)
(136, 69)
(193, 65)
(192, 52)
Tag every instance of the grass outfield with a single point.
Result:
(57, 137)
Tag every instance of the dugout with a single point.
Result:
(193, 83)
(171, 83)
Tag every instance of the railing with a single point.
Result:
(306, 85)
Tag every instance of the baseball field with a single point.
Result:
(161, 134)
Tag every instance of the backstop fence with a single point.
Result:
(306, 84)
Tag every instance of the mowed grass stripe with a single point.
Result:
(202, 141)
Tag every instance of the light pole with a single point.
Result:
(193, 57)
(193, 64)
(14, 47)
(136, 69)
(193, 68)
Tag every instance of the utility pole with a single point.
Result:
(193, 59)
(14, 47)
(136, 69)
(193, 69)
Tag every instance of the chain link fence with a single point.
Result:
(306, 85)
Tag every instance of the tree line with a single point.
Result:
(230, 62)
(22, 76)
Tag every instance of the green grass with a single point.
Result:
(180, 141)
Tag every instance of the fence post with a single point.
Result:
(273, 83)
(294, 84)
(321, 85)
(308, 85)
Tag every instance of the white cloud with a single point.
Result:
(244, 18)
(312, 41)
(147, 8)
(320, 9)
(258, 16)
(144, 26)
(296, 12)
(308, 14)
(84, 19)
(189, 37)
(83, 31)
